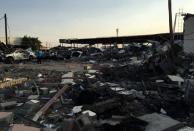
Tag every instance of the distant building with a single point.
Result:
(189, 33)
(16, 41)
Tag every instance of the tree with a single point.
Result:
(31, 42)
(3, 47)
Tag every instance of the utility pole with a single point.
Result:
(170, 22)
(6, 39)
(117, 34)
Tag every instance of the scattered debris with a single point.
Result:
(136, 88)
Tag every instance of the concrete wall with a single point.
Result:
(12, 40)
(189, 34)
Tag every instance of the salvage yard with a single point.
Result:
(121, 82)
(93, 94)
(135, 88)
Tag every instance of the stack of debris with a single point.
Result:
(149, 93)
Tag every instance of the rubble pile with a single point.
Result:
(147, 90)
(88, 101)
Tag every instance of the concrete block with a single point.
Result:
(84, 123)
(49, 129)
(186, 129)
(158, 122)
(44, 91)
(33, 97)
(21, 127)
(29, 107)
(9, 104)
(69, 125)
(6, 118)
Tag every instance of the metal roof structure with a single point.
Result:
(123, 39)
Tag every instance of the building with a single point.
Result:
(125, 40)
(189, 33)
(16, 41)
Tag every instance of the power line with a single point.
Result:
(189, 34)
(9, 33)
(188, 39)
(2, 18)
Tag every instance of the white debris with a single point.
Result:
(121, 51)
(112, 84)
(114, 60)
(52, 91)
(186, 129)
(117, 89)
(88, 75)
(77, 109)
(67, 78)
(126, 93)
(32, 97)
(92, 61)
(19, 104)
(40, 75)
(69, 74)
(8, 79)
(92, 71)
(102, 84)
(91, 77)
(163, 111)
(89, 112)
(132, 92)
(34, 101)
(175, 78)
(159, 81)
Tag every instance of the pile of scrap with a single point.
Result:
(144, 91)
(85, 101)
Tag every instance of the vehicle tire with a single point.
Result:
(9, 60)
(67, 57)
(31, 57)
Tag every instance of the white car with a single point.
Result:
(19, 55)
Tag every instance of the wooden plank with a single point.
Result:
(49, 103)
(12, 83)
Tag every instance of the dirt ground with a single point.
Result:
(50, 65)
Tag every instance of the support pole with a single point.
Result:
(6, 39)
(117, 34)
(170, 22)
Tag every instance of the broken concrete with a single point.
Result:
(6, 118)
(158, 122)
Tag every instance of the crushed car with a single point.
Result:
(19, 55)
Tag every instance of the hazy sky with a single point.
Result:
(53, 19)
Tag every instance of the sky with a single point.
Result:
(50, 20)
